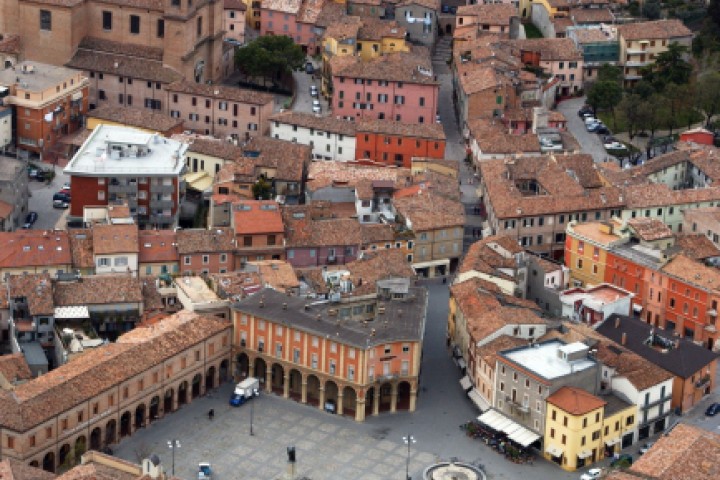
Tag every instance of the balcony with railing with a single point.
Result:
(116, 186)
(161, 188)
(653, 403)
(703, 382)
(154, 203)
(516, 406)
(161, 219)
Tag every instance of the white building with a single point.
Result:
(330, 138)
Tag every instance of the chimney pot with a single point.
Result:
(624, 338)
(617, 322)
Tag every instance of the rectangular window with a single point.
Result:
(45, 20)
(107, 20)
(135, 24)
(160, 28)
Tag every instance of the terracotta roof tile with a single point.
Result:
(285, 6)
(326, 123)
(331, 12)
(306, 231)
(136, 117)
(222, 92)
(103, 368)
(375, 29)
(290, 159)
(429, 211)
(157, 246)
(432, 131)
(310, 11)
(277, 274)
(37, 289)
(490, 351)
(34, 248)
(396, 67)
(81, 246)
(490, 14)
(257, 217)
(234, 5)
(10, 44)
(550, 48)
(112, 239)
(591, 15)
(693, 272)
(13, 367)
(11, 469)
(236, 285)
(575, 401)
(483, 256)
(377, 233)
(378, 265)
(98, 290)
(686, 452)
(649, 229)
(431, 4)
(657, 29)
(697, 247)
(492, 139)
(199, 240)
(343, 28)
(341, 174)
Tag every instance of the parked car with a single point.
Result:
(593, 126)
(64, 196)
(602, 130)
(614, 146)
(40, 176)
(204, 471)
(313, 91)
(65, 191)
(713, 410)
(623, 460)
(584, 110)
(60, 204)
(309, 68)
(644, 449)
(592, 474)
(30, 220)
(66, 186)
(316, 106)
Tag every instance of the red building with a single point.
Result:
(697, 135)
(203, 251)
(395, 143)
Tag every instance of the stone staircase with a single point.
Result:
(441, 53)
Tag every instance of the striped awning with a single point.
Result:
(515, 432)
(612, 442)
(478, 400)
(71, 312)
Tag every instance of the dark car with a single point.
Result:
(585, 110)
(64, 196)
(602, 130)
(624, 460)
(309, 68)
(30, 220)
(713, 410)
(40, 176)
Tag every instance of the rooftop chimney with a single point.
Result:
(617, 322)
(624, 338)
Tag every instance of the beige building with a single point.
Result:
(110, 392)
(642, 42)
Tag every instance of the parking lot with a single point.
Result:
(303, 100)
(589, 142)
(41, 201)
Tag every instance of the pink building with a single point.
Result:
(397, 86)
(234, 20)
(279, 17)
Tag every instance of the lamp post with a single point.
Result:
(409, 440)
(255, 393)
(173, 445)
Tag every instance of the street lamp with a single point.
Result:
(409, 440)
(173, 445)
(255, 393)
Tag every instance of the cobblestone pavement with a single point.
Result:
(331, 447)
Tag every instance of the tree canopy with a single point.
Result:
(269, 57)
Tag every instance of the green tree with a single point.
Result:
(269, 57)
(605, 95)
(262, 190)
(651, 9)
(677, 105)
(714, 12)
(671, 66)
(630, 107)
(707, 95)
(609, 73)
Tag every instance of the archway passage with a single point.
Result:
(154, 409)
(125, 421)
(196, 386)
(369, 399)
(385, 397)
(313, 390)
(224, 371)
(183, 393)
(242, 365)
(168, 401)
(48, 463)
(96, 439)
(403, 396)
(140, 416)
(260, 370)
(278, 378)
(63, 455)
(80, 448)
(210, 379)
(110, 432)
(331, 397)
(295, 385)
(349, 402)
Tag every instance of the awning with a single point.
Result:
(515, 432)
(478, 400)
(77, 95)
(461, 363)
(584, 454)
(433, 263)
(465, 383)
(71, 312)
(637, 308)
(554, 451)
(612, 442)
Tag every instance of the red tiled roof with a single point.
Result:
(257, 216)
(31, 248)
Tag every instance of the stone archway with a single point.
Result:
(295, 378)
(210, 378)
(168, 400)
(277, 378)
(154, 409)
(96, 439)
(196, 386)
(110, 432)
(140, 416)
(48, 463)
(183, 390)
(349, 401)
(313, 390)
(331, 396)
(64, 455)
(369, 400)
(385, 397)
(125, 424)
(224, 371)
(403, 396)
(80, 448)
(242, 365)
(260, 369)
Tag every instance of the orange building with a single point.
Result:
(396, 143)
(353, 356)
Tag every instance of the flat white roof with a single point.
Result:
(543, 359)
(116, 150)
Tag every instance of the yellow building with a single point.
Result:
(554, 8)
(586, 248)
(581, 429)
